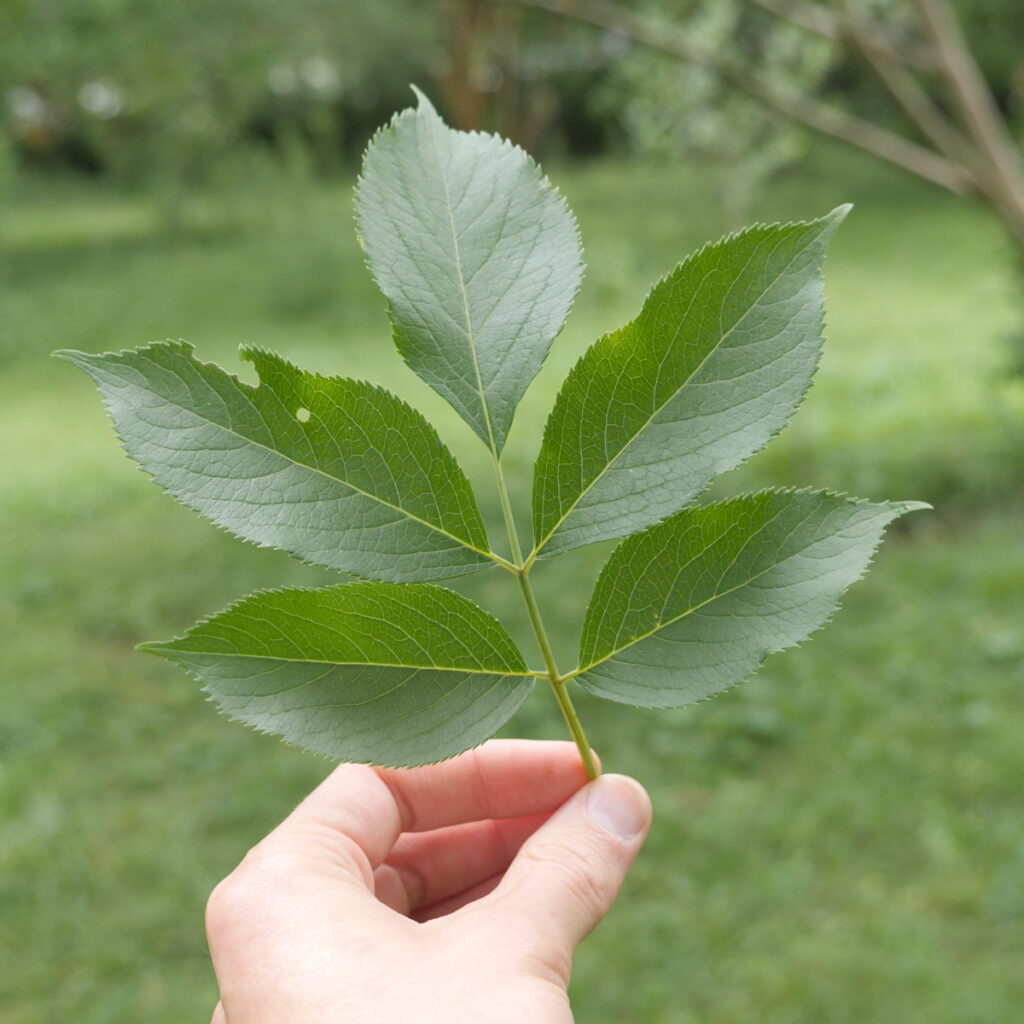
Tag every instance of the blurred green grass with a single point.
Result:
(841, 839)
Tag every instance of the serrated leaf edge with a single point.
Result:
(425, 106)
(211, 699)
(898, 508)
(187, 349)
(159, 648)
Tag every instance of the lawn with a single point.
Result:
(841, 839)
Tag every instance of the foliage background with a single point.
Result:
(841, 839)
(137, 90)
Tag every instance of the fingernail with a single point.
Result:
(618, 805)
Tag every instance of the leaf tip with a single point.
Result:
(903, 507)
(831, 221)
(73, 356)
(157, 647)
(423, 103)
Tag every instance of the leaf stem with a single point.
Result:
(506, 511)
(571, 720)
(557, 681)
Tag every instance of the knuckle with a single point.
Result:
(239, 897)
(225, 906)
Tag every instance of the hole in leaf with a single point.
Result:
(302, 415)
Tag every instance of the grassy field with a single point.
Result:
(840, 840)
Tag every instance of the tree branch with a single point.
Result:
(904, 88)
(977, 111)
(805, 110)
(813, 17)
(830, 24)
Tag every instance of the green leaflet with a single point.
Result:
(719, 357)
(696, 603)
(478, 256)
(375, 672)
(336, 471)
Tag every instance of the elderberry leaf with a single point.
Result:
(478, 257)
(338, 472)
(693, 605)
(392, 674)
(718, 359)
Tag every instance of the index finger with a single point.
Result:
(371, 807)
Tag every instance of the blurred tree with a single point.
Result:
(519, 74)
(995, 33)
(134, 86)
(918, 53)
(960, 137)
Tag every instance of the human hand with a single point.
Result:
(451, 892)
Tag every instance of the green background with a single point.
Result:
(840, 839)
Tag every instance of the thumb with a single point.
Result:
(567, 874)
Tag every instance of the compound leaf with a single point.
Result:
(336, 471)
(694, 605)
(478, 256)
(376, 672)
(720, 355)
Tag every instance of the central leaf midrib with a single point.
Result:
(471, 340)
(327, 476)
(618, 455)
(523, 673)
